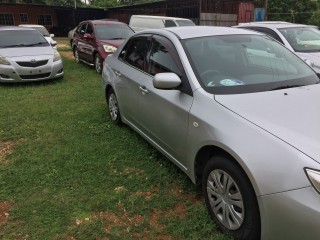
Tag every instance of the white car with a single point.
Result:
(304, 40)
(44, 33)
(26, 56)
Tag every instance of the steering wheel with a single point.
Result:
(211, 72)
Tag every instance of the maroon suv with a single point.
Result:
(93, 40)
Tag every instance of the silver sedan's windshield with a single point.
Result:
(302, 39)
(21, 38)
(246, 63)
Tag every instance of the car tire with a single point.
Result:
(98, 63)
(76, 55)
(113, 106)
(230, 199)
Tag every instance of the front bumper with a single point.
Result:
(293, 215)
(16, 73)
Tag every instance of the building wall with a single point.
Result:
(202, 12)
(33, 13)
(62, 19)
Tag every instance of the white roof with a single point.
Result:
(159, 17)
(201, 31)
(274, 24)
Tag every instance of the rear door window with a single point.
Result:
(135, 52)
(169, 23)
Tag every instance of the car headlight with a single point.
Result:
(4, 61)
(314, 178)
(109, 48)
(56, 57)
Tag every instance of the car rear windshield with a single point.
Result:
(246, 63)
(21, 38)
(112, 31)
(183, 23)
(302, 39)
(42, 30)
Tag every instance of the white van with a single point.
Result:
(142, 22)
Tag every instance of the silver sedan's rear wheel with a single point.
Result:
(230, 198)
(114, 111)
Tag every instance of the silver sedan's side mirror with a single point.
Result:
(166, 81)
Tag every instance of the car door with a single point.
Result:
(163, 114)
(80, 41)
(130, 71)
(88, 44)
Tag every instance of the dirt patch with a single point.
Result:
(63, 45)
(4, 212)
(135, 171)
(6, 148)
(68, 55)
(147, 195)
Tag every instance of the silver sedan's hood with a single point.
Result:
(292, 114)
(26, 51)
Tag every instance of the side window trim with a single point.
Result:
(123, 54)
(185, 87)
(269, 32)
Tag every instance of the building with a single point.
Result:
(202, 12)
(58, 20)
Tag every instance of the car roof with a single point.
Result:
(201, 31)
(159, 17)
(273, 24)
(12, 28)
(30, 25)
(104, 21)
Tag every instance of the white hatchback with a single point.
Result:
(48, 36)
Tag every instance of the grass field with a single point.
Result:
(66, 172)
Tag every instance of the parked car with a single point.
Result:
(93, 40)
(25, 55)
(49, 37)
(237, 112)
(304, 40)
(143, 22)
(70, 35)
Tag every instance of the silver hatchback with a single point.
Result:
(25, 55)
(237, 112)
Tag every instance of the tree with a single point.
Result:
(299, 11)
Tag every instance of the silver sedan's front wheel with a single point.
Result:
(225, 199)
(114, 111)
(230, 198)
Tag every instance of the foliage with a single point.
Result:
(299, 11)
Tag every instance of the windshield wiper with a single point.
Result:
(36, 44)
(287, 86)
(14, 45)
(115, 38)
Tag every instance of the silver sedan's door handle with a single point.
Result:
(144, 90)
(118, 73)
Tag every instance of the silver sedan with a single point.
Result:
(234, 110)
(25, 55)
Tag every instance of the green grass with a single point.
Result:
(69, 173)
